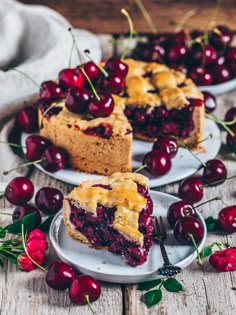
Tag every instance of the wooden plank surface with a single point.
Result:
(206, 290)
(105, 17)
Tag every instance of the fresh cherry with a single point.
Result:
(60, 275)
(191, 189)
(101, 107)
(221, 37)
(115, 65)
(201, 76)
(202, 55)
(35, 146)
(113, 84)
(92, 71)
(27, 119)
(230, 59)
(176, 53)
(166, 144)
(77, 99)
(157, 162)
(221, 73)
(186, 228)
(50, 91)
(210, 101)
(71, 77)
(19, 191)
(214, 172)
(227, 219)
(153, 52)
(21, 211)
(231, 114)
(84, 289)
(179, 210)
(49, 200)
(54, 159)
(231, 139)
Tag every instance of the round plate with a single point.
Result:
(221, 88)
(109, 267)
(183, 165)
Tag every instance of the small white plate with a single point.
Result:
(183, 165)
(220, 88)
(109, 267)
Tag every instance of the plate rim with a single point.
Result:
(144, 276)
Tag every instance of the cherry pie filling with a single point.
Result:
(162, 122)
(98, 229)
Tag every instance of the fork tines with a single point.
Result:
(159, 228)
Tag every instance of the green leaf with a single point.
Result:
(145, 286)
(172, 285)
(2, 233)
(14, 228)
(207, 251)
(212, 224)
(153, 297)
(29, 222)
(45, 226)
(13, 259)
(227, 245)
(234, 149)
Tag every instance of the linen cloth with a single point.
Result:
(35, 40)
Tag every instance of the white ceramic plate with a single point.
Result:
(109, 267)
(183, 165)
(221, 88)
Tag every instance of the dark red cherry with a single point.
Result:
(115, 65)
(50, 91)
(221, 73)
(153, 52)
(27, 119)
(231, 114)
(176, 53)
(201, 76)
(202, 55)
(166, 144)
(49, 200)
(71, 77)
(231, 139)
(157, 162)
(179, 210)
(60, 275)
(35, 146)
(196, 34)
(221, 37)
(113, 84)
(92, 71)
(230, 59)
(191, 189)
(83, 286)
(103, 107)
(19, 191)
(188, 226)
(77, 100)
(227, 218)
(54, 159)
(214, 172)
(210, 101)
(21, 211)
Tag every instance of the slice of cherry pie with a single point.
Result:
(113, 213)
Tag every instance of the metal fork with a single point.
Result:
(168, 269)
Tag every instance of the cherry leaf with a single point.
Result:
(173, 285)
(2, 232)
(145, 286)
(28, 221)
(211, 223)
(45, 226)
(234, 149)
(153, 297)
(207, 251)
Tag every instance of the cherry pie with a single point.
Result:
(113, 213)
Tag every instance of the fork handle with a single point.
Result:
(164, 253)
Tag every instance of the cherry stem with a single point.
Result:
(140, 168)
(199, 261)
(184, 19)
(212, 20)
(75, 45)
(89, 304)
(91, 84)
(192, 145)
(87, 53)
(13, 144)
(21, 165)
(220, 122)
(25, 75)
(196, 157)
(23, 243)
(219, 181)
(203, 203)
(131, 31)
(5, 213)
(146, 16)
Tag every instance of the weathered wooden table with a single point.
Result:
(206, 290)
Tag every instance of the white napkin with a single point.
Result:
(35, 40)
